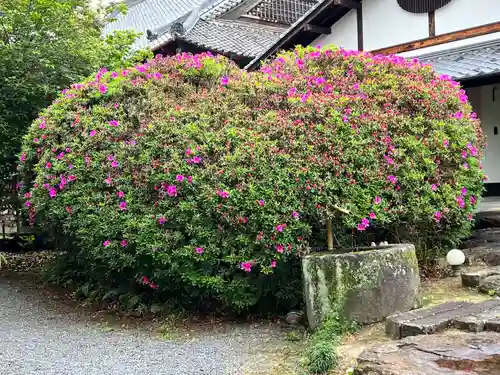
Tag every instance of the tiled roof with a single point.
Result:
(221, 7)
(152, 14)
(228, 36)
(281, 11)
(466, 62)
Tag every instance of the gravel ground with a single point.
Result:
(35, 339)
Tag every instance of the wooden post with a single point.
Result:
(330, 234)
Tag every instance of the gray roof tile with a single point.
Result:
(152, 14)
(466, 62)
(221, 7)
(281, 11)
(228, 36)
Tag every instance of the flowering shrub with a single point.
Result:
(187, 175)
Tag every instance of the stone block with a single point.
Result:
(472, 278)
(486, 312)
(490, 284)
(370, 285)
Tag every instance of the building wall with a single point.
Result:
(344, 33)
(487, 106)
(386, 24)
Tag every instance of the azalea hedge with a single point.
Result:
(187, 176)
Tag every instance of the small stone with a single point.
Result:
(472, 279)
(491, 284)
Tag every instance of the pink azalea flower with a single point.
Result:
(190, 179)
(103, 89)
(23, 157)
(70, 166)
(463, 191)
(279, 248)
(434, 187)
(42, 124)
(92, 133)
(378, 200)
(27, 195)
(464, 154)
(157, 75)
(223, 194)
(392, 179)
(114, 164)
(123, 206)
(124, 243)
(188, 151)
(71, 177)
(473, 200)
(470, 217)
(280, 227)
(199, 250)
(48, 165)
(172, 191)
(27, 203)
(262, 203)
(108, 180)
(292, 91)
(110, 158)
(295, 214)
(120, 194)
(458, 115)
(114, 75)
(106, 243)
(196, 160)
(179, 178)
(246, 266)
(52, 192)
(372, 215)
(113, 123)
(224, 81)
(446, 143)
(162, 220)
(36, 140)
(273, 263)
(437, 216)
(153, 286)
(460, 202)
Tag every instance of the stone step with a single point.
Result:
(461, 315)
(472, 278)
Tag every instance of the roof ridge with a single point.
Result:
(250, 25)
(468, 47)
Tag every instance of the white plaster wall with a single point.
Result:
(446, 46)
(489, 113)
(463, 14)
(385, 24)
(344, 33)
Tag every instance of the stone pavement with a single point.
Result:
(472, 317)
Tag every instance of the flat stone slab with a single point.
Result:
(490, 284)
(483, 247)
(443, 354)
(472, 278)
(461, 315)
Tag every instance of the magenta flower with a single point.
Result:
(103, 89)
(71, 177)
(279, 248)
(92, 133)
(124, 72)
(106, 243)
(280, 227)
(378, 200)
(120, 194)
(295, 215)
(365, 223)
(179, 178)
(124, 243)
(162, 220)
(472, 149)
(27, 203)
(48, 165)
(372, 215)
(460, 202)
(223, 194)
(224, 81)
(27, 195)
(434, 187)
(123, 205)
(437, 216)
(52, 192)
(110, 157)
(464, 154)
(473, 200)
(157, 75)
(463, 191)
(262, 203)
(188, 151)
(42, 124)
(446, 143)
(70, 166)
(273, 263)
(292, 91)
(458, 115)
(199, 250)
(172, 191)
(114, 164)
(190, 179)
(196, 160)
(392, 179)
(108, 180)
(246, 266)
(114, 75)
(113, 123)
(23, 157)
(36, 140)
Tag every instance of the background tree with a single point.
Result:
(45, 45)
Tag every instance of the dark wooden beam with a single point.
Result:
(441, 39)
(359, 19)
(432, 23)
(317, 29)
(351, 4)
